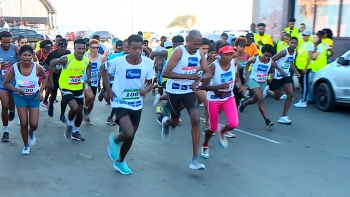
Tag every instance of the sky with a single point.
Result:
(130, 16)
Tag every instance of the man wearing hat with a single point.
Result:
(55, 74)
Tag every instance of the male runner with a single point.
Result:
(182, 80)
(8, 56)
(61, 51)
(285, 60)
(71, 85)
(126, 98)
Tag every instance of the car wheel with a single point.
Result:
(154, 40)
(109, 40)
(325, 100)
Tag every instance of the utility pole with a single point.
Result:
(132, 17)
(21, 8)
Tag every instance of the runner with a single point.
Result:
(96, 60)
(8, 56)
(57, 39)
(61, 51)
(257, 79)
(284, 60)
(27, 95)
(182, 80)
(241, 58)
(70, 83)
(126, 99)
(220, 97)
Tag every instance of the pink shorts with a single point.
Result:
(229, 107)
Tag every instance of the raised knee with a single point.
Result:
(232, 125)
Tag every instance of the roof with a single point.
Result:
(49, 6)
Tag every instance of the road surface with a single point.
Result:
(309, 158)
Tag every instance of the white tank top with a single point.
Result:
(186, 65)
(260, 70)
(221, 76)
(284, 63)
(29, 84)
(95, 69)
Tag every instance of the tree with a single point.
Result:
(183, 21)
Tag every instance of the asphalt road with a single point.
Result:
(308, 158)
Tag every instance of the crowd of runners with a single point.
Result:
(183, 73)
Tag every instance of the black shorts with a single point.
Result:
(135, 115)
(277, 84)
(190, 100)
(69, 95)
(55, 85)
(164, 85)
(94, 90)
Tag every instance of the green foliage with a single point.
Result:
(184, 21)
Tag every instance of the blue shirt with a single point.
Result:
(114, 55)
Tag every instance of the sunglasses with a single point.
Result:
(94, 47)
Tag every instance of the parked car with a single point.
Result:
(231, 39)
(183, 33)
(31, 35)
(104, 35)
(151, 36)
(70, 36)
(331, 85)
(81, 34)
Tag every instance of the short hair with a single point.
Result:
(20, 37)
(224, 35)
(79, 41)
(211, 42)
(178, 39)
(267, 48)
(59, 36)
(211, 48)
(205, 41)
(240, 40)
(291, 20)
(217, 45)
(25, 48)
(45, 42)
(93, 41)
(97, 37)
(134, 38)
(302, 24)
(126, 40)
(5, 34)
(193, 33)
(294, 38)
(261, 25)
(87, 40)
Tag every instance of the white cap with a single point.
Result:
(168, 44)
(306, 32)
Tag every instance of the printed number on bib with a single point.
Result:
(4, 72)
(261, 77)
(28, 90)
(94, 74)
(131, 94)
(75, 80)
(189, 70)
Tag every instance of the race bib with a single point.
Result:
(94, 74)
(188, 70)
(28, 90)
(4, 71)
(94, 83)
(75, 80)
(260, 78)
(131, 94)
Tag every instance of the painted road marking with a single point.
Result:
(253, 135)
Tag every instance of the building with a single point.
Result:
(316, 14)
(33, 11)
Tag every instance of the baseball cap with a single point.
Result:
(226, 49)
(62, 41)
(119, 44)
(306, 32)
(168, 44)
(48, 46)
(250, 37)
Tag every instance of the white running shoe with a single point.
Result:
(265, 91)
(284, 120)
(300, 104)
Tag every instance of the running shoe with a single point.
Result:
(45, 104)
(222, 138)
(110, 121)
(12, 115)
(229, 134)
(68, 132)
(77, 136)
(265, 91)
(31, 139)
(196, 165)
(5, 137)
(241, 105)
(63, 119)
(25, 150)
(113, 148)
(158, 110)
(122, 168)
(165, 129)
(205, 152)
(269, 123)
(284, 120)
(50, 111)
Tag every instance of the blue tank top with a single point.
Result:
(7, 56)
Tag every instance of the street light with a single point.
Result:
(132, 17)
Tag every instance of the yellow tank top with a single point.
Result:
(37, 46)
(71, 74)
(303, 55)
(321, 60)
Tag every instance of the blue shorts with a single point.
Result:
(5, 89)
(30, 101)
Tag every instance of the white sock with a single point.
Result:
(75, 129)
(70, 122)
(6, 129)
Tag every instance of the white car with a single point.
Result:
(331, 85)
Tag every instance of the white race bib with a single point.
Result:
(28, 90)
(189, 70)
(94, 74)
(75, 80)
(131, 94)
(260, 78)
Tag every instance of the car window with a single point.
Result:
(30, 32)
(105, 33)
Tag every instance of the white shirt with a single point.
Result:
(128, 81)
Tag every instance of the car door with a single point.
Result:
(104, 35)
(342, 80)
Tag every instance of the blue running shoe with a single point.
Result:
(122, 167)
(113, 148)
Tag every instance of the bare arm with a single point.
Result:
(17, 51)
(42, 74)
(206, 82)
(246, 68)
(9, 77)
(171, 64)
(207, 72)
(88, 72)
(58, 61)
(163, 54)
(104, 73)
(272, 69)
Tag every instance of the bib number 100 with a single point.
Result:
(132, 94)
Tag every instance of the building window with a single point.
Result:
(304, 12)
(345, 26)
(327, 15)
